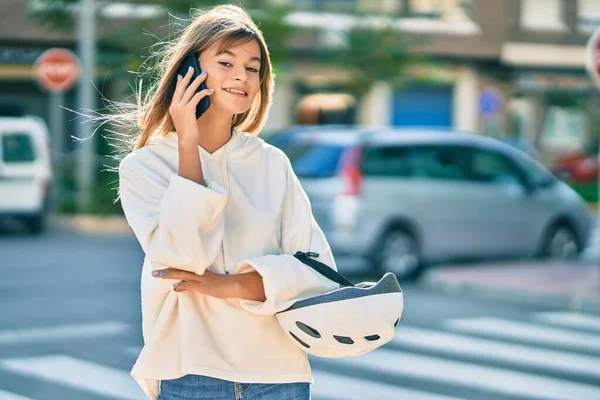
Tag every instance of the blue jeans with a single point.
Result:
(199, 387)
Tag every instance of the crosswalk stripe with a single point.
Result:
(449, 343)
(399, 363)
(569, 320)
(66, 370)
(329, 386)
(61, 332)
(523, 331)
(12, 396)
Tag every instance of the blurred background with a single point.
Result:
(452, 142)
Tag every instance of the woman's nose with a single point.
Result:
(240, 75)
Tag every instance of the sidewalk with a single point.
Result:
(572, 285)
(90, 224)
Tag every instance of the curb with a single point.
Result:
(90, 224)
(570, 302)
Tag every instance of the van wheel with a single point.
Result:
(399, 253)
(36, 224)
(559, 243)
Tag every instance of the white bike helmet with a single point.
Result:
(348, 321)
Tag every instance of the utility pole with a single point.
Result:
(87, 54)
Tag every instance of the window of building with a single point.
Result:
(542, 14)
(588, 15)
(448, 10)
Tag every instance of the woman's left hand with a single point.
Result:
(209, 283)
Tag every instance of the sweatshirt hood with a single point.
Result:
(240, 145)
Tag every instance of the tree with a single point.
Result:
(372, 54)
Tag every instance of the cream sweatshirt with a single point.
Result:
(251, 215)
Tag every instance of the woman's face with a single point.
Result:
(233, 74)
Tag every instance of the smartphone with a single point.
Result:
(191, 60)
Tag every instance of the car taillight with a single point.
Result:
(350, 171)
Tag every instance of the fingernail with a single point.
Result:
(176, 284)
(155, 272)
(202, 73)
(163, 273)
(211, 90)
(179, 76)
(190, 68)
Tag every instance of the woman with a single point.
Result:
(219, 214)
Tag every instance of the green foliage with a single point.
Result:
(374, 54)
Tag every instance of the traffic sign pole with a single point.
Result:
(56, 71)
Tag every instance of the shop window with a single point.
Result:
(588, 15)
(448, 10)
(542, 15)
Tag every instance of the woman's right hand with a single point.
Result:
(183, 106)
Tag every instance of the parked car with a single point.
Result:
(404, 199)
(25, 168)
(577, 168)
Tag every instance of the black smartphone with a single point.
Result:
(191, 60)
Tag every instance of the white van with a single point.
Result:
(25, 170)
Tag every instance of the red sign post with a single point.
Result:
(56, 70)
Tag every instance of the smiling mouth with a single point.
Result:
(235, 91)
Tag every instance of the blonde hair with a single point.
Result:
(226, 26)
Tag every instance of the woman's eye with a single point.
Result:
(251, 69)
(225, 63)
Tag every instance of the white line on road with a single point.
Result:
(449, 343)
(12, 396)
(498, 380)
(80, 374)
(526, 332)
(569, 320)
(61, 332)
(329, 386)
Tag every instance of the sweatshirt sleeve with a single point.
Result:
(178, 222)
(285, 278)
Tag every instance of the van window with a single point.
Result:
(489, 167)
(386, 161)
(313, 159)
(419, 161)
(17, 148)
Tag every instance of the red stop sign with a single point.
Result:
(57, 69)
(593, 56)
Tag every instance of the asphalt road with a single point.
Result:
(70, 328)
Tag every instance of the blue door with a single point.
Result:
(423, 106)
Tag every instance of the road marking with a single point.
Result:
(80, 374)
(329, 386)
(454, 344)
(526, 332)
(569, 320)
(12, 396)
(498, 380)
(61, 332)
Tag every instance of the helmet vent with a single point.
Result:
(344, 339)
(308, 330)
(372, 338)
(396, 323)
(299, 341)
